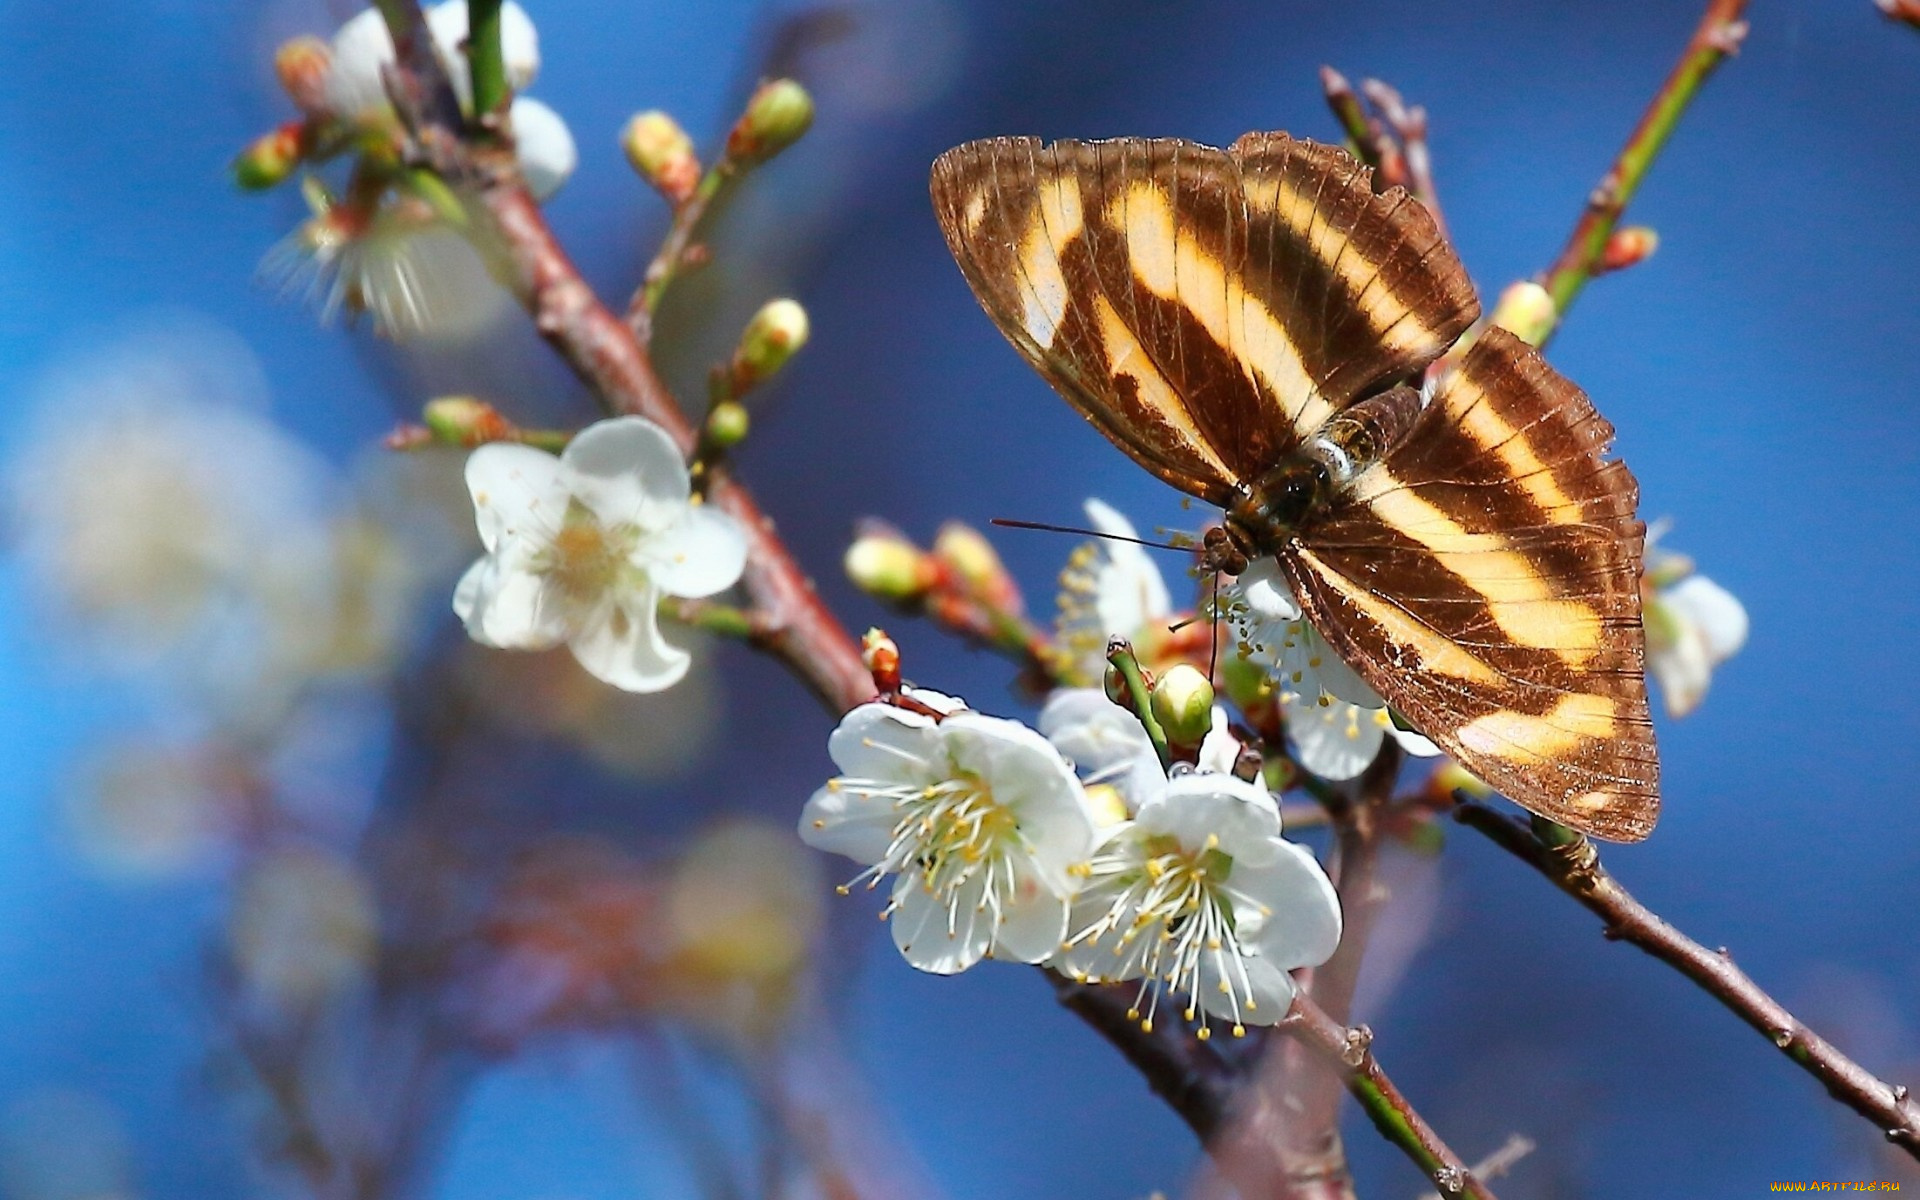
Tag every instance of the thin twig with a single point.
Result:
(1501, 1161)
(1409, 127)
(1575, 869)
(677, 249)
(1718, 35)
(603, 351)
(1350, 1053)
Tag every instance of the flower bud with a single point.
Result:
(727, 425)
(271, 160)
(967, 553)
(887, 566)
(662, 154)
(779, 112)
(1526, 310)
(465, 421)
(882, 657)
(1183, 704)
(303, 65)
(1634, 244)
(774, 335)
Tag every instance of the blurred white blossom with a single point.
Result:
(362, 48)
(1109, 588)
(1199, 894)
(980, 820)
(580, 550)
(303, 926)
(1106, 744)
(543, 144)
(1693, 625)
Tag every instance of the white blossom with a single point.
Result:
(1200, 895)
(543, 145)
(1693, 626)
(362, 48)
(1106, 744)
(581, 548)
(1109, 588)
(519, 46)
(979, 819)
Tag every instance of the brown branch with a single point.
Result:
(1409, 128)
(1575, 869)
(603, 351)
(1718, 35)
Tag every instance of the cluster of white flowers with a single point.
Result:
(1693, 625)
(998, 849)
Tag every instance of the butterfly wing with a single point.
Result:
(1485, 578)
(1205, 309)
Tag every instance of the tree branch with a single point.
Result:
(1575, 869)
(1718, 35)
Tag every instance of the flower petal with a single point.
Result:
(1130, 592)
(509, 609)
(518, 492)
(1335, 739)
(1265, 592)
(1301, 927)
(920, 926)
(628, 470)
(1198, 806)
(1033, 923)
(361, 47)
(1219, 750)
(845, 818)
(1093, 732)
(620, 644)
(543, 145)
(1027, 776)
(701, 553)
(1271, 988)
(1716, 612)
(881, 742)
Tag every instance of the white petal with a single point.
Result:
(1322, 663)
(920, 926)
(543, 145)
(1683, 668)
(361, 47)
(1027, 775)
(1335, 740)
(1219, 750)
(846, 819)
(628, 470)
(1301, 927)
(702, 553)
(620, 644)
(1198, 806)
(510, 609)
(517, 492)
(1130, 591)
(1272, 990)
(1265, 592)
(1718, 613)
(1092, 731)
(881, 742)
(939, 702)
(1417, 744)
(1033, 924)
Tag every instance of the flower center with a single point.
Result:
(1168, 921)
(957, 838)
(585, 558)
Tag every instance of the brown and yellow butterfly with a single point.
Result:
(1244, 323)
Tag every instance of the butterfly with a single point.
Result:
(1252, 325)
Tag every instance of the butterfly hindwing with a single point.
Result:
(1485, 579)
(1205, 309)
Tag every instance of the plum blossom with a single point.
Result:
(1106, 744)
(1334, 720)
(581, 548)
(362, 48)
(1109, 588)
(1200, 895)
(979, 820)
(1693, 625)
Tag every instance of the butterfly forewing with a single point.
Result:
(1485, 578)
(1205, 309)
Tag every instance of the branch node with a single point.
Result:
(1353, 1052)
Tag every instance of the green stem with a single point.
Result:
(1717, 36)
(666, 264)
(1139, 700)
(723, 619)
(485, 58)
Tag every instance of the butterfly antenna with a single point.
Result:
(1044, 527)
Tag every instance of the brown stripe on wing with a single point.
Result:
(1485, 579)
(1367, 283)
(1014, 216)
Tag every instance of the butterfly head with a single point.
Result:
(1275, 508)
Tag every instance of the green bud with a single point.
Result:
(967, 553)
(889, 567)
(777, 115)
(464, 421)
(1183, 704)
(662, 153)
(774, 335)
(1526, 310)
(727, 424)
(270, 160)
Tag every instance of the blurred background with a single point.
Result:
(302, 894)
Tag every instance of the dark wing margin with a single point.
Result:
(1485, 579)
(1205, 309)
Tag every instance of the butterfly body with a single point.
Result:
(1246, 325)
